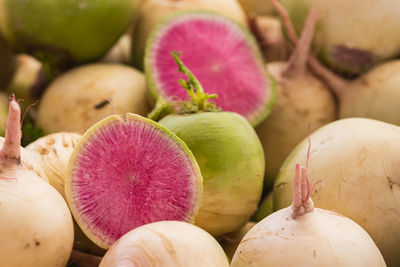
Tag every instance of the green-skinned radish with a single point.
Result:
(36, 224)
(166, 243)
(228, 152)
(230, 66)
(358, 160)
(53, 153)
(127, 171)
(302, 99)
(257, 7)
(65, 33)
(374, 95)
(7, 63)
(301, 235)
(231, 241)
(94, 92)
(153, 12)
(266, 208)
(351, 36)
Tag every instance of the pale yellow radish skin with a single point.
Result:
(167, 244)
(231, 241)
(53, 152)
(359, 160)
(300, 235)
(84, 95)
(152, 12)
(36, 225)
(302, 99)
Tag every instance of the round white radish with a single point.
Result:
(359, 161)
(300, 235)
(166, 243)
(302, 99)
(53, 152)
(36, 225)
(82, 96)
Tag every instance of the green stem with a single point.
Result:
(195, 90)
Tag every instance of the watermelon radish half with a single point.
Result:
(128, 171)
(221, 54)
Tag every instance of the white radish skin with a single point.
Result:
(358, 160)
(302, 99)
(167, 244)
(84, 95)
(152, 12)
(53, 152)
(36, 225)
(300, 235)
(318, 238)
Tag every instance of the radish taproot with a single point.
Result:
(301, 235)
(36, 224)
(302, 99)
(127, 171)
(349, 36)
(153, 12)
(230, 66)
(358, 160)
(166, 243)
(228, 152)
(94, 92)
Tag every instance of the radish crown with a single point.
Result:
(198, 98)
(337, 84)
(11, 146)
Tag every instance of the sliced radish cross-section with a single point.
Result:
(128, 171)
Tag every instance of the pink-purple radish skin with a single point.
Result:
(166, 243)
(230, 65)
(301, 235)
(127, 171)
(36, 224)
(302, 99)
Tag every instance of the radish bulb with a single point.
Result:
(166, 243)
(301, 235)
(36, 225)
(351, 36)
(302, 99)
(374, 95)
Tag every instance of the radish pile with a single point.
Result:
(178, 133)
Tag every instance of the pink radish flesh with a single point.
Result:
(219, 54)
(129, 173)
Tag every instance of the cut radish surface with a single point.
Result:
(221, 54)
(128, 171)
